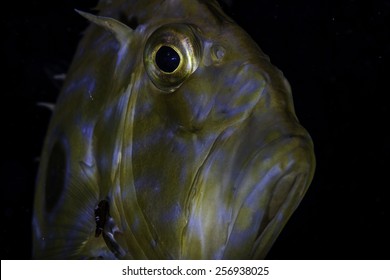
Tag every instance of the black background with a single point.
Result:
(334, 58)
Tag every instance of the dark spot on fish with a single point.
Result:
(131, 22)
(55, 176)
(101, 216)
(167, 59)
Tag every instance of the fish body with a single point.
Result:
(174, 137)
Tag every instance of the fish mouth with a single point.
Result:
(272, 183)
(248, 194)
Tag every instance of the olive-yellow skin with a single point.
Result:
(207, 161)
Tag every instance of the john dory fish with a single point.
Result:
(173, 137)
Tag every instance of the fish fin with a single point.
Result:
(55, 72)
(50, 106)
(59, 77)
(121, 31)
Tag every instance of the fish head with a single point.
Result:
(174, 117)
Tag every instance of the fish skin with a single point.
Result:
(211, 169)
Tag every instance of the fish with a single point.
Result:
(173, 137)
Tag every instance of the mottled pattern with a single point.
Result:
(208, 162)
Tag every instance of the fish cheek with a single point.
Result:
(55, 176)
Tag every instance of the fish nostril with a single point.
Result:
(55, 176)
(218, 52)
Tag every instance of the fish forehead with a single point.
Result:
(173, 167)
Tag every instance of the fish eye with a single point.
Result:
(171, 55)
(167, 59)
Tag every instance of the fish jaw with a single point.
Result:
(255, 204)
(246, 190)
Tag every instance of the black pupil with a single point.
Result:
(167, 59)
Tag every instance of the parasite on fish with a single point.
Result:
(174, 137)
(101, 216)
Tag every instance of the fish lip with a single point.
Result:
(299, 167)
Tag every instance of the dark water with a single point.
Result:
(333, 56)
